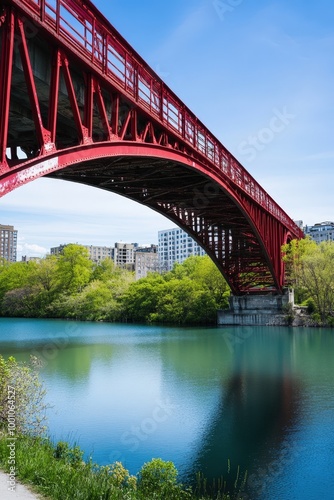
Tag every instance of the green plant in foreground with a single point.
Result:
(26, 393)
(158, 480)
(59, 473)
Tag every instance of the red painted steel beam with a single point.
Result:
(43, 135)
(141, 118)
(91, 38)
(6, 63)
(90, 154)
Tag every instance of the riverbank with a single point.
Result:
(58, 473)
(133, 392)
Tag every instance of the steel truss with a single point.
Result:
(78, 103)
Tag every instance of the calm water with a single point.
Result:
(261, 397)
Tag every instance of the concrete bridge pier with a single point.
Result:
(249, 310)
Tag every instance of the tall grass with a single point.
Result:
(59, 473)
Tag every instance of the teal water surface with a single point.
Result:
(258, 398)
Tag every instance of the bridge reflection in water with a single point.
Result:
(252, 426)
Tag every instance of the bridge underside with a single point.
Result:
(191, 200)
(80, 105)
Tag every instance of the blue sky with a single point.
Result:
(259, 74)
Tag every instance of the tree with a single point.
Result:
(45, 273)
(189, 294)
(21, 302)
(184, 302)
(16, 275)
(310, 268)
(74, 269)
(317, 277)
(141, 298)
(293, 254)
(105, 270)
(206, 273)
(22, 406)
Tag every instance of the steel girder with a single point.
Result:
(79, 104)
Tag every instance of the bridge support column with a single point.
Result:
(248, 310)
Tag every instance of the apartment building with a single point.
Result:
(124, 255)
(8, 243)
(146, 260)
(322, 231)
(175, 245)
(96, 253)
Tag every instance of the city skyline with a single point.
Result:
(260, 81)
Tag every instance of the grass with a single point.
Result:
(59, 473)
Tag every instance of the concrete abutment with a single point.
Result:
(251, 310)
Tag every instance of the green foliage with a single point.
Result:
(65, 286)
(16, 275)
(22, 383)
(141, 298)
(189, 294)
(158, 480)
(74, 268)
(120, 477)
(58, 472)
(70, 286)
(72, 456)
(310, 267)
(309, 303)
(105, 270)
(330, 321)
(317, 276)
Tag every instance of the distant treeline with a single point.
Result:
(72, 286)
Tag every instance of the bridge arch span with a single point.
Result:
(85, 107)
(200, 200)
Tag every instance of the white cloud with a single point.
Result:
(32, 250)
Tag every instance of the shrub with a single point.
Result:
(311, 308)
(71, 456)
(158, 480)
(20, 388)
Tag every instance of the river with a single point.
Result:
(258, 398)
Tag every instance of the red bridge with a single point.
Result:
(78, 103)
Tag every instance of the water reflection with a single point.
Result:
(258, 407)
(261, 397)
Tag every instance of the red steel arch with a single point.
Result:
(78, 103)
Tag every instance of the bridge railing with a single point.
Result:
(82, 26)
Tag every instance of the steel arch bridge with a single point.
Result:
(78, 103)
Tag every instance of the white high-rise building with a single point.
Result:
(175, 245)
(322, 231)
